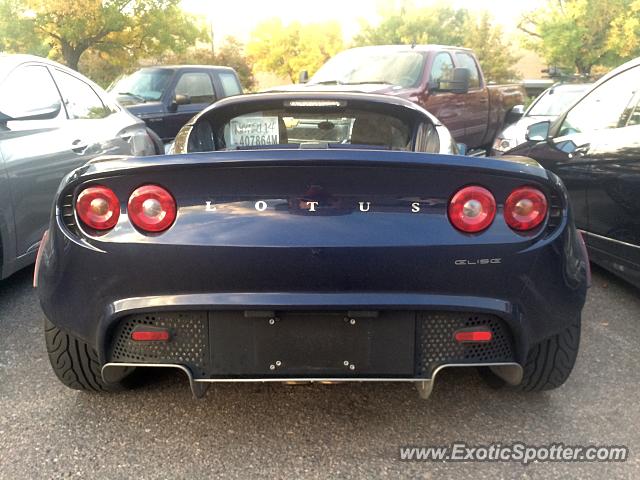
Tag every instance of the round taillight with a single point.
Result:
(472, 209)
(98, 207)
(152, 208)
(525, 208)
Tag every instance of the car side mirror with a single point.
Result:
(303, 77)
(538, 132)
(179, 100)
(459, 82)
(182, 99)
(515, 114)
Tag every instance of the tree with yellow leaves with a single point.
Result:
(124, 29)
(625, 32)
(580, 34)
(288, 49)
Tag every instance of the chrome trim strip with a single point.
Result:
(609, 239)
(198, 390)
(511, 372)
(305, 300)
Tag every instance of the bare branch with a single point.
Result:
(47, 32)
(526, 30)
(561, 5)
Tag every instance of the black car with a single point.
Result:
(281, 246)
(595, 148)
(167, 97)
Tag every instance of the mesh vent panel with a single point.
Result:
(435, 344)
(188, 344)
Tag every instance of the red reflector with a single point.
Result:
(150, 336)
(473, 336)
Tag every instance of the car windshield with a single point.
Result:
(556, 100)
(370, 65)
(295, 127)
(143, 85)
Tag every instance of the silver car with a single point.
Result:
(52, 120)
(547, 106)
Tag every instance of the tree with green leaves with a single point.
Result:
(440, 24)
(286, 50)
(446, 26)
(125, 30)
(17, 30)
(231, 54)
(580, 34)
(488, 43)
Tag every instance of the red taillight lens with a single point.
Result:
(152, 208)
(525, 208)
(474, 336)
(98, 207)
(155, 335)
(472, 209)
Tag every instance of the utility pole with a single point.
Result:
(213, 43)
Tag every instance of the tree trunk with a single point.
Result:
(71, 54)
(583, 69)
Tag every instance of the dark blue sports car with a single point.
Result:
(312, 236)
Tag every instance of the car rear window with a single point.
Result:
(230, 84)
(197, 86)
(280, 128)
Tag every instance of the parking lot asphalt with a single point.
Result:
(313, 431)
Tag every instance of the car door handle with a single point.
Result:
(78, 146)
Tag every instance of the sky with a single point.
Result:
(239, 18)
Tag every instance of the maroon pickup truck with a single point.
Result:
(446, 81)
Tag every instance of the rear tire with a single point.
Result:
(549, 363)
(75, 362)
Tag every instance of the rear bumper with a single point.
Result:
(223, 344)
(310, 346)
(534, 293)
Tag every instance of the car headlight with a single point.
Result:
(503, 144)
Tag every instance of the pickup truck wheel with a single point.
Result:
(549, 363)
(75, 362)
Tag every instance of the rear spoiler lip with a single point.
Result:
(518, 166)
